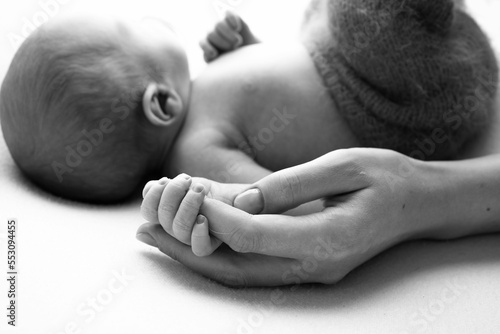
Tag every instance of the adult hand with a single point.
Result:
(373, 200)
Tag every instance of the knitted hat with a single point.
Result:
(415, 76)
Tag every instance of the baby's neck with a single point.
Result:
(161, 159)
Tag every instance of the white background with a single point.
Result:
(68, 252)
(270, 19)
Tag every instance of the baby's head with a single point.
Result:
(90, 107)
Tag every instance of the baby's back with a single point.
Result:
(270, 103)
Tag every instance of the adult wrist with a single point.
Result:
(461, 197)
(432, 189)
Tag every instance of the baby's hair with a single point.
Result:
(71, 115)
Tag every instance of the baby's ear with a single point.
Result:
(162, 105)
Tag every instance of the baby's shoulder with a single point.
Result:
(212, 122)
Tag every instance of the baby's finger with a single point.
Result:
(209, 51)
(219, 41)
(171, 198)
(229, 34)
(234, 21)
(202, 243)
(185, 217)
(150, 184)
(149, 206)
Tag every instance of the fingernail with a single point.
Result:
(163, 181)
(147, 239)
(250, 201)
(198, 188)
(201, 220)
(186, 177)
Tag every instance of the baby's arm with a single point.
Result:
(225, 163)
(228, 35)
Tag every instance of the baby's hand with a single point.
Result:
(229, 34)
(175, 204)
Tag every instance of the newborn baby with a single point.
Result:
(90, 109)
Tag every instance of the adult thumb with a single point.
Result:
(330, 175)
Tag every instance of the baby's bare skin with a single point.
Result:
(251, 113)
(263, 107)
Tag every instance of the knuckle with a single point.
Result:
(166, 208)
(354, 165)
(346, 243)
(290, 185)
(193, 202)
(182, 225)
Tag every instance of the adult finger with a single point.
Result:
(202, 243)
(223, 192)
(273, 235)
(224, 266)
(332, 174)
